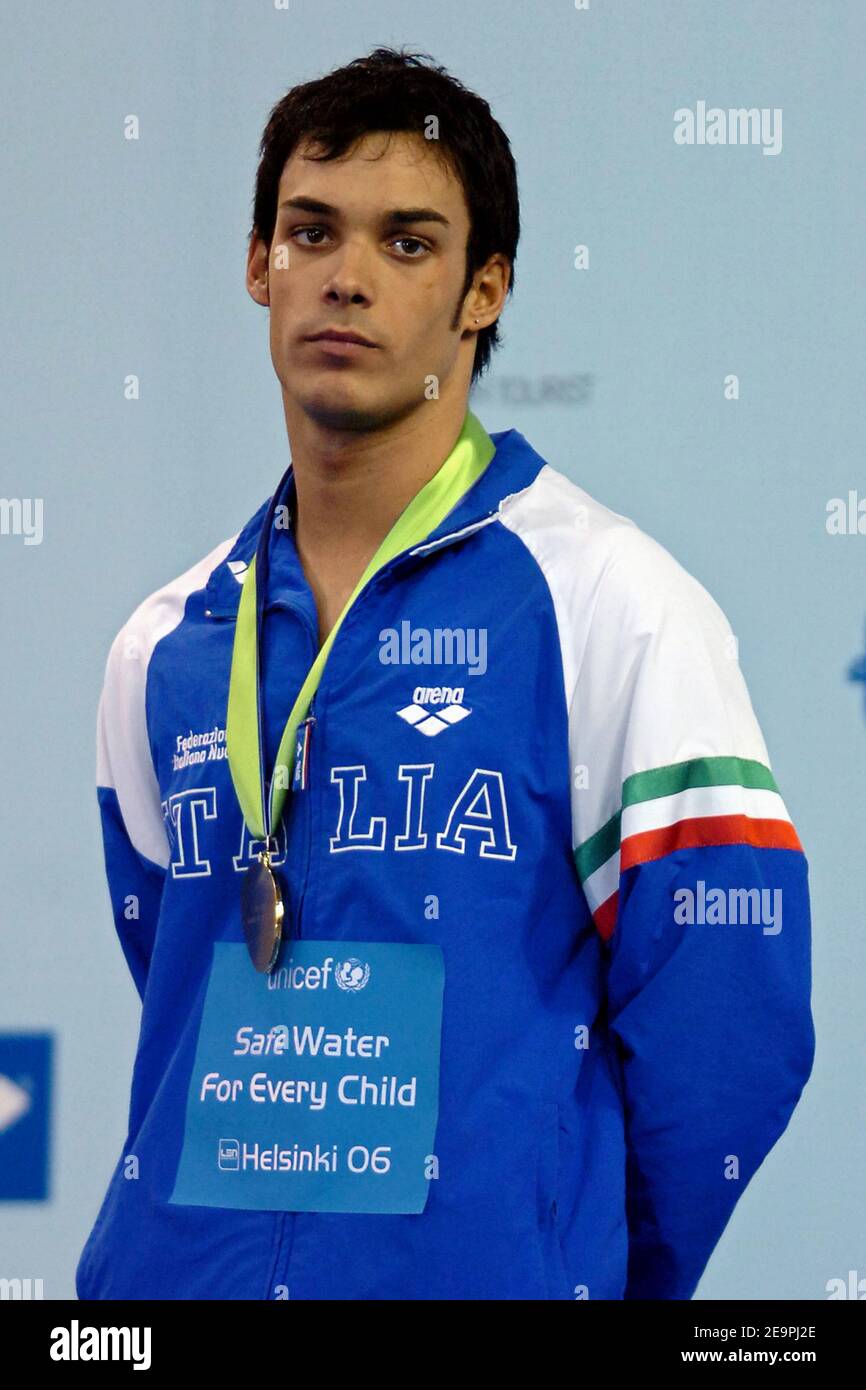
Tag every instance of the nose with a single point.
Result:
(348, 281)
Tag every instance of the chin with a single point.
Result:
(355, 419)
(346, 409)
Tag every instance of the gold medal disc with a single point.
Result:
(262, 913)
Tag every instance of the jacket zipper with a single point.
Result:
(310, 723)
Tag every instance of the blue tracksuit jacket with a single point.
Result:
(532, 745)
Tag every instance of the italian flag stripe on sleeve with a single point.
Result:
(705, 801)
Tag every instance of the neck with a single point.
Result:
(352, 487)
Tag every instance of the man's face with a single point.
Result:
(355, 264)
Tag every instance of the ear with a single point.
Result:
(258, 257)
(489, 292)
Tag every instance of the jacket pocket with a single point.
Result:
(559, 1284)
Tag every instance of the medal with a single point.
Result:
(262, 912)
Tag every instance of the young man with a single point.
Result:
(471, 930)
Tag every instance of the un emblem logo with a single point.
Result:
(352, 974)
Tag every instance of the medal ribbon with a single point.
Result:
(244, 734)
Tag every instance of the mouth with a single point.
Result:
(337, 335)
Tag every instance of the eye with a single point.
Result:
(414, 241)
(302, 231)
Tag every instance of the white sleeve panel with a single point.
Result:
(123, 757)
(649, 660)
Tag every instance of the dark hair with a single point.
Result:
(395, 91)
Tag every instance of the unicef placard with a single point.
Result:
(316, 1088)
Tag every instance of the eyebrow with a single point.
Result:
(399, 216)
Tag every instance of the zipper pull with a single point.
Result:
(301, 773)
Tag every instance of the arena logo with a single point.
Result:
(736, 126)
